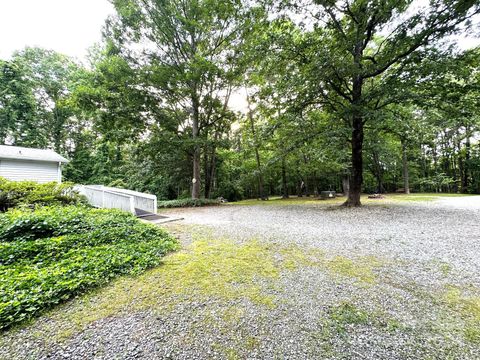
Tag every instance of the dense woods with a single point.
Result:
(351, 96)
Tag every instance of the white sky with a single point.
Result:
(70, 26)
(66, 26)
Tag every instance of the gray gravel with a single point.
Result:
(426, 248)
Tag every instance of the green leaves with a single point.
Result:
(29, 193)
(52, 254)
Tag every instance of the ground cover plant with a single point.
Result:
(54, 253)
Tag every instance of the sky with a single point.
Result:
(66, 26)
(69, 26)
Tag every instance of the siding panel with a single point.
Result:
(39, 171)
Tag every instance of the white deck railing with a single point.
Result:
(115, 198)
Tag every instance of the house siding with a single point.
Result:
(39, 171)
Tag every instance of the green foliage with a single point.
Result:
(138, 116)
(51, 254)
(29, 193)
(17, 106)
(437, 183)
(187, 203)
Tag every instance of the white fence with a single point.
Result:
(115, 198)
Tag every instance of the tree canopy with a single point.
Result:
(351, 96)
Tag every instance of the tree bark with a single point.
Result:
(284, 180)
(261, 191)
(196, 149)
(210, 167)
(406, 177)
(356, 179)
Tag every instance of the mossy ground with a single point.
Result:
(220, 270)
(466, 304)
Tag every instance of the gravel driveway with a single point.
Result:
(387, 281)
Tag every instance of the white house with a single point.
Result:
(20, 163)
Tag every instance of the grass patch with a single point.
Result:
(293, 200)
(423, 197)
(50, 255)
(389, 198)
(347, 314)
(202, 271)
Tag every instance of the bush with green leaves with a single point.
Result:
(29, 193)
(187, 203)
(51, 254)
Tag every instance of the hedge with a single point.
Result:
(28, 193)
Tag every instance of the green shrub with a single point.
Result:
(187, 203)
(21, 225)
(29, 193)
(52, 254)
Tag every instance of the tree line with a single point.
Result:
(352, 96)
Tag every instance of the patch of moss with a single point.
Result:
(218, 269)
(361, 268)
(346, 315)
(393, 325)
(206, 269)
(292, 257)
(232, 354)
(232, 314)
(468, 307)
(322, 340)
(252, 343)
(445, 268)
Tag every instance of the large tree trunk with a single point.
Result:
(196, 149)
(356, 179)
(406, 178)
(206, 173)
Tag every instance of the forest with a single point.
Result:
(350, 96)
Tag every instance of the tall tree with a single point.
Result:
(362, 45)
(51, 76)
(190, 51)
(18, 107)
